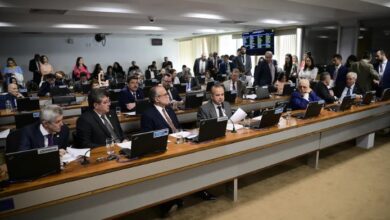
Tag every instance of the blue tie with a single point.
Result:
(348, 92)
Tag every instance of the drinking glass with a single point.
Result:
(110, 146)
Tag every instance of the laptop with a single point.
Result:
(194, 99)
(288, 89)
(181, 88)
(26, 118)
(269, 118)
(367, 98)
(346, 104)
(32, 164)
(141, 106)
(210, 129)
(201, 79)
(28, 104)
(64, 100)
(313, 109)
(230, 96)
(262, 92)
(148, 143)
(62, 90)
(85, 88)
(282, 104)
(24, 92)
(114, 94)
(386, 95)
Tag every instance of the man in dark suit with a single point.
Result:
(160, 115)
(99, 123)
(167, 83)
(243, 62)
(266, 71)
(130, 94)
(383, 68)
(322, 89)
(167, 64)
(78, 85)
(235, 84)
(34, 68)
(12, 95)
(200, 65)
(192, 83)
(301, 98)
(351, 87)
(50, 82)
(225, 67)
(216, 107)
(50, 131)
(338, 73)
(133, 68)
(366, 74)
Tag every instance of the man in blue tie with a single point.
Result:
(351, 87)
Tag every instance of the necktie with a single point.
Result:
(50, 141)
(348, 92)
(234, 86)
(380, 68)
(170, 95)
(169, 121)
(335, 73)
(243, 60)
(220, 113)
(135, 96)
(109, 128)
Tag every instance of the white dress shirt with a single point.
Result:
(344, 93)
(381, 68)
(217, 111)
(231, 86)
(308, 74)
(44, 133)
(202, 66)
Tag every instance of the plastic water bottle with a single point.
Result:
(8, 106)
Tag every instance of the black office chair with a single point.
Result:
(13, 141)
(76, 142)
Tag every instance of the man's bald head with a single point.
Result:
(13, 89)
(304, 86)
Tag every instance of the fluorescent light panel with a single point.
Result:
(108, 10)
(76, 26)
(5, 24)
(204, 16)
(274, 21)
(148, 28)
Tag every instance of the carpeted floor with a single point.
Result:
(351, 183)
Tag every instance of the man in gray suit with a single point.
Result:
(366, 74)
(216, 107)
(243, 62)
(234, 84)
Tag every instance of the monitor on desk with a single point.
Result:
(194, 99)
(269, 118)
(64, 100)
(262, 92)
(26, 118)
(210, 129)
(149, 142)
(141, 106)
(28, 104)
(60, 91)
(386, 95)
(181, 88)
(230, 96)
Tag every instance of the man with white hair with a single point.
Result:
(301, 98)
(266, 71)
(200, 65)
(49, 131)
(351, 87)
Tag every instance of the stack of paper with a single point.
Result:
(126, 144)
(74, 153)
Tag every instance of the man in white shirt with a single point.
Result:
(351, 88)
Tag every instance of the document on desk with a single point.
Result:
(129, 113)
(238, 115)
(74, 153)
(4, 134)
(251, 96)
(183, 134)
(229, 126)
(126, 144)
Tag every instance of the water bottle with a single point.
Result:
(8, 106)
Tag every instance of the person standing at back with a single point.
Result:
(366, 74)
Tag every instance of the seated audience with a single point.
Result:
(130, 94)
(172, 91)
(12, 95)
(280, 82)
(78, 86)
(301, 98)
(50, 82)
(133, 68)
(13, 70)
(192, 83)
(234, 84)
(99, 123)
(175, 79)
(351, 87)
(49, 131)
(323, 89)
(96, 71)
(216, 107)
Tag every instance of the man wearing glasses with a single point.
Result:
(160, 115)
(99, 123)
(301, 98)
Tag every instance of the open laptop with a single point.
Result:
(141, 106)
(386, 95)
(28, 104)
(210, 129)
(148, 143)
(64, 100)
(313, 109)
(26, 118)
(262, 92)
(181, 88)
(282, 104)
(85, 88)
(367, 98)
(114, 94)
(194, 99)
(346, 104)
(269, 118)
(32, 164)
(62, 90)
(288, 89)
(230, 96)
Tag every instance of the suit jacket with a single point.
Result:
(223, 67)
(31, 137)
(245, 69)
(365, 74)
(210, 63)
(126, 97)
(357, 90)
(33, 67)
(263, 75)
(341, 79)
(152, 120)
(4, 98)
(385, 80)
(175, 94)
(207, 111)
(196, 67)
(298, 102)
(323, 92)
(194, 83)
(165, 64)
(45, 88)
(241, 88)
(91, 132)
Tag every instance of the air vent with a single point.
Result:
(47, 11)
(231, 22)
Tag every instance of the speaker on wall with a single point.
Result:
(157, 42)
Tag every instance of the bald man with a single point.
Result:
(266, 72)
(301, 98)
(200, 65)
(12, 95)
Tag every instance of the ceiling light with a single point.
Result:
(380, 2)
(148, 28)
(363, 29)
(323, 37)
(77, 26)
(5, 24)
(360, 37)
(107, 10)
(207, 30)
(274, 21)
(330, 27)
(204, 16)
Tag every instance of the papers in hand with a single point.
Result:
(4, 134)
(126, 144)
(258, 118)
(238, 115)
(74, 153)
(251, 96)
(183, 134)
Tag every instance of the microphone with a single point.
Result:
(84, 160)
(234, 127)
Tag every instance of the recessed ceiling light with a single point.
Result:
(330, 27)
(208, 30)
(274, 21)
(204, 16)
(108, 10)
(5, 24)
(77, 26)
(323, 36)
(148, 28)
(363, 29)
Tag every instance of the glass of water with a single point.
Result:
(110, 146)
(288, 114)
(118, 111)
